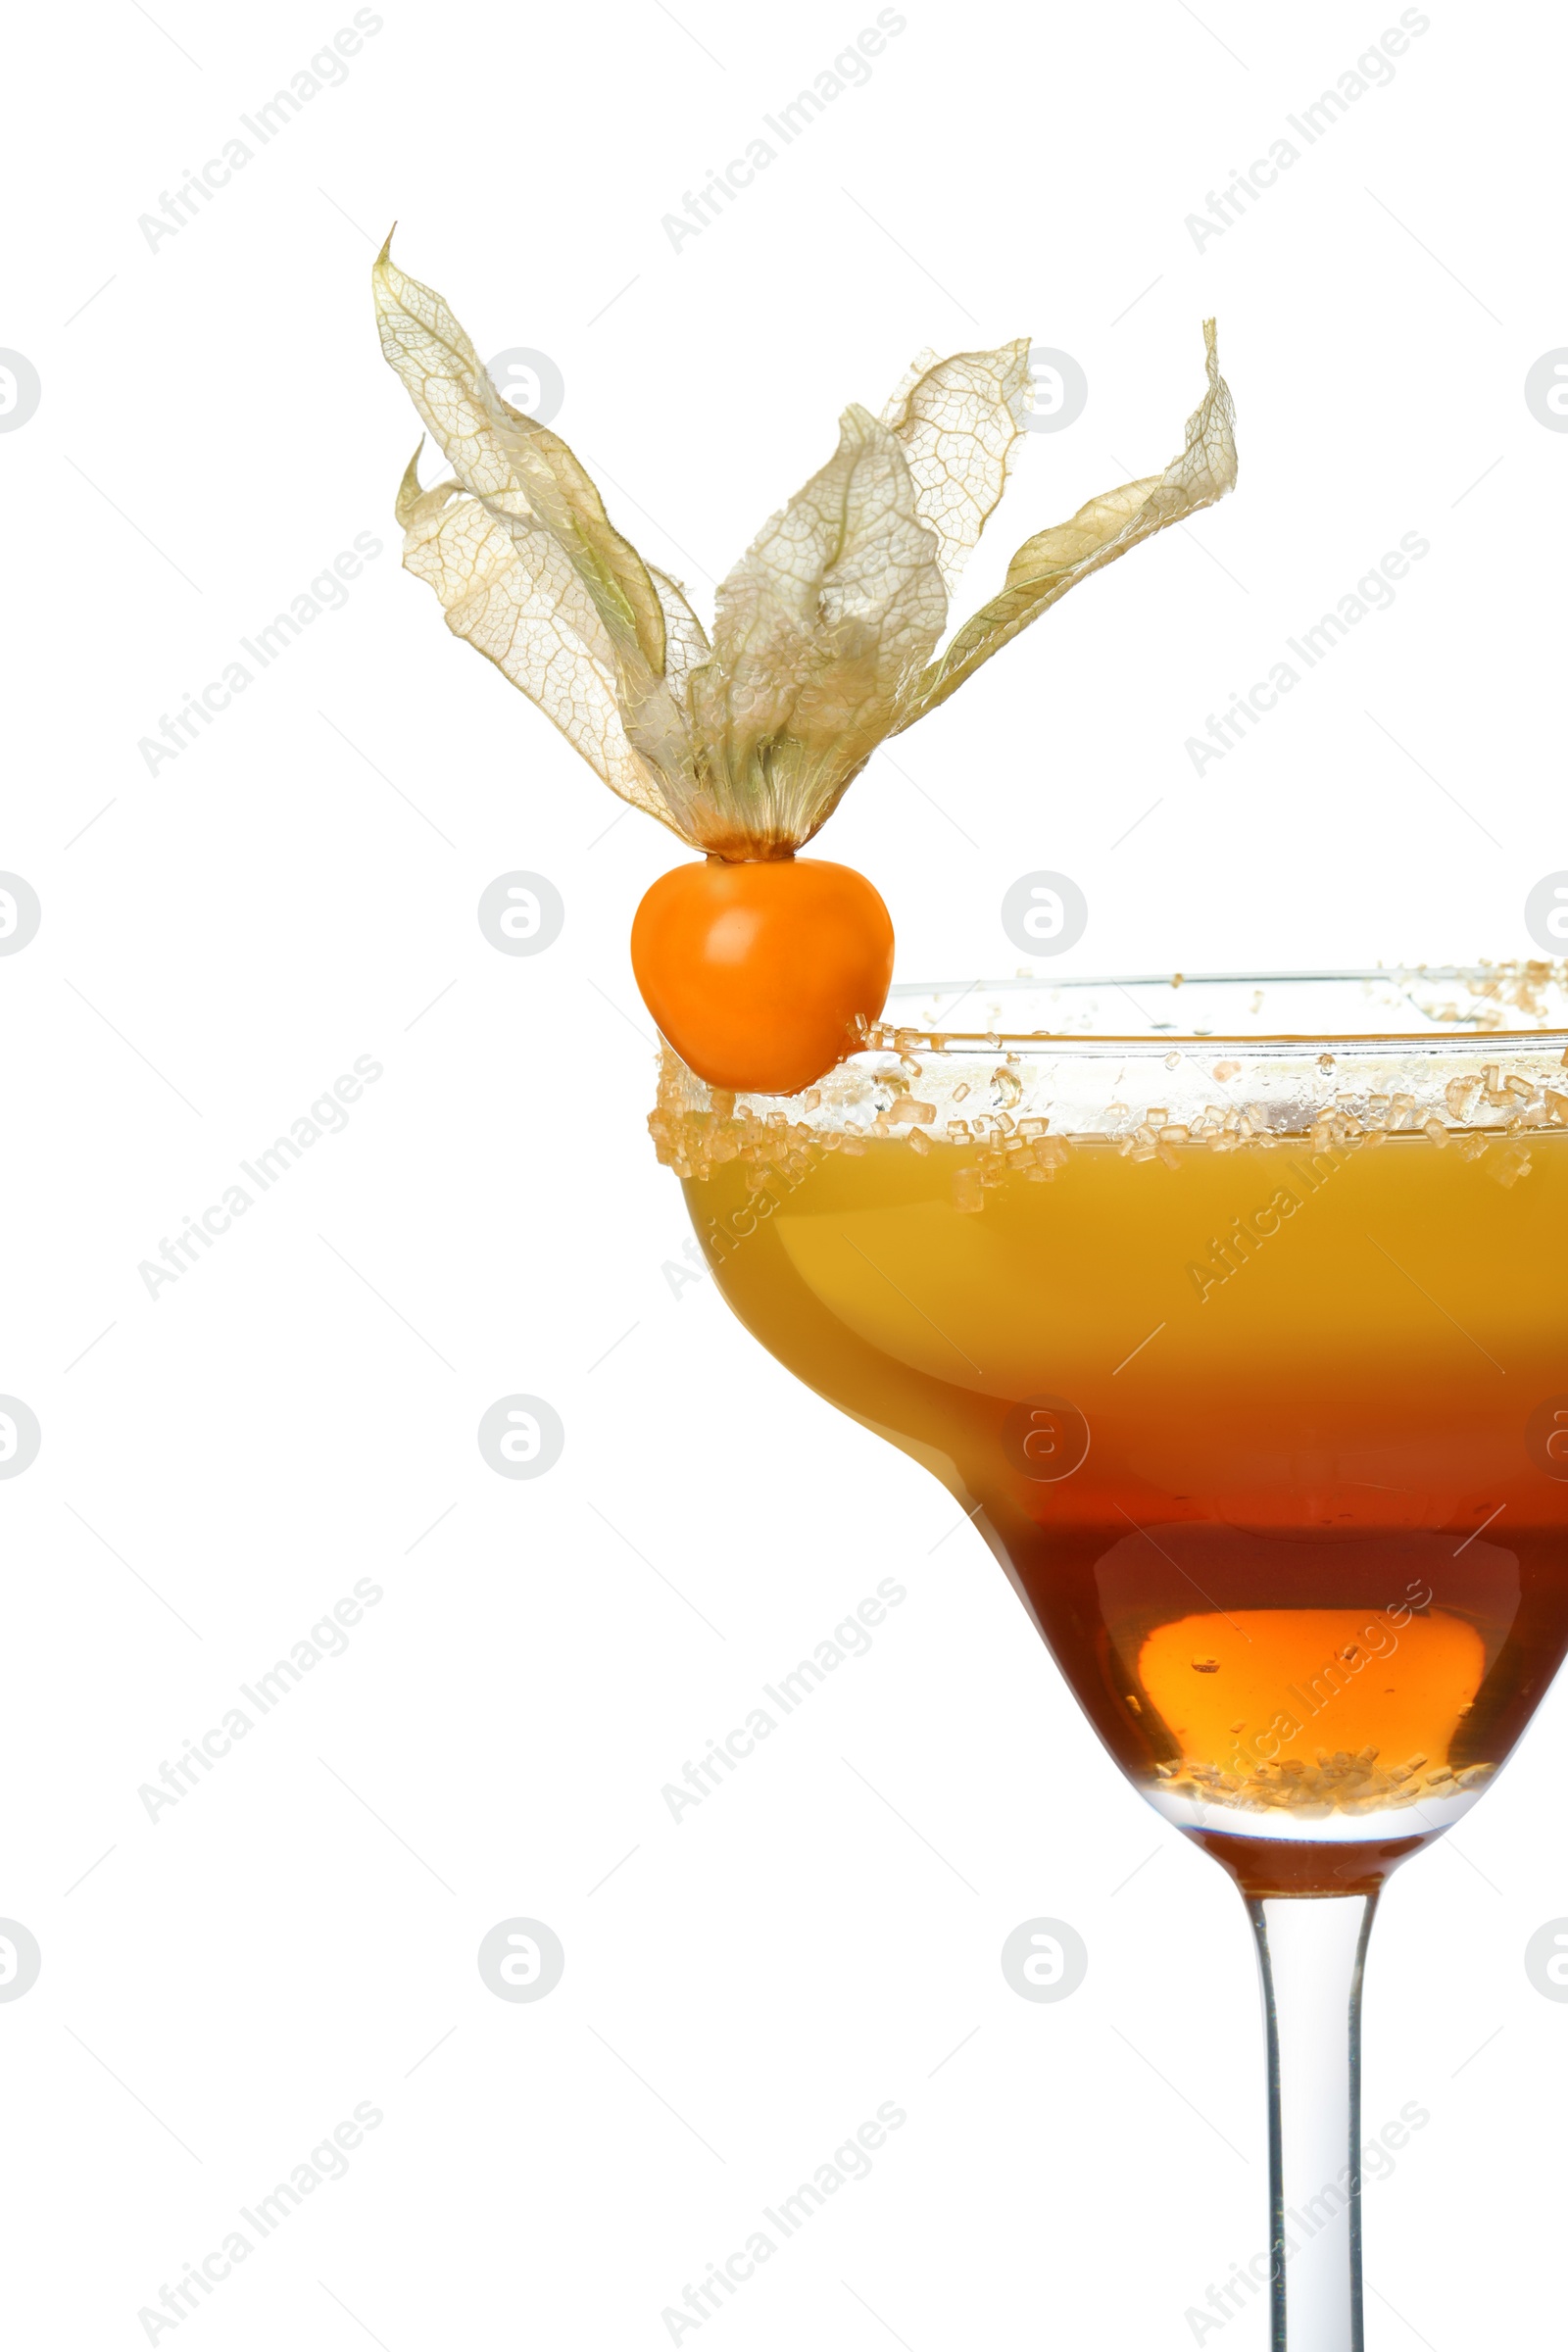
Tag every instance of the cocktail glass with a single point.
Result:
(1234, 1312)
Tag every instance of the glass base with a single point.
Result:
(1304, 1826)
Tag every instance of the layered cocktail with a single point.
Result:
(1236, 1315)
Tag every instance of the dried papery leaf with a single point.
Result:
(1045, 567)
(921, 364)
(425, 345)
(559, 584)
(528, 477)
(825, 629)
(657, 710)
(516, 465)
(821, 629)
(564, 498)
(959, 421)
(507, 588)
(686, 645)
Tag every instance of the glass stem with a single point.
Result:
(1311, 1950)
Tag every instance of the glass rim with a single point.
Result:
(1506, 1000)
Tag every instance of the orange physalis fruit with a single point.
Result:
(755, 972)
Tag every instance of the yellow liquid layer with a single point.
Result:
(1228, 1416)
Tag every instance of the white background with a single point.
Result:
(221, 939)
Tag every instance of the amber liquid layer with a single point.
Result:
(1267, 1438)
